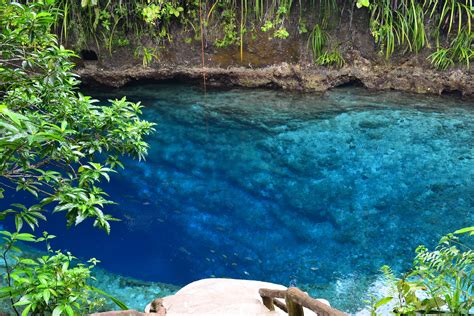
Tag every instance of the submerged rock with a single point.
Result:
(296, 189)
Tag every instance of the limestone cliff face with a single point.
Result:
(277, 63)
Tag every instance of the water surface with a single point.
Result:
(317, 191)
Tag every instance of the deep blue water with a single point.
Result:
(318, 191)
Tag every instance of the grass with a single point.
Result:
(405, 26)
(404, 22)
(317, 41)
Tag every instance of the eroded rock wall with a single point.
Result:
(285, 64)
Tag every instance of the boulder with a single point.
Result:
(221, 297)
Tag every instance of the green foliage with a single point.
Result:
(412, 27)
(53, 284)
(302, 27)
(231, 36)
(332, 58)
(267, 26)
(451, 12)
(459, 51)
(317, 41)
(100, 21)
(375, 303)
(396, 25)
(281, 33)
(404, 23)
(328, 10)
(146, 54)
(442, 279)
(50, 134)
(159, 13)
(441, 58)
(362, 3)
(275, 19)
(121, 42)
(56, 145)
(403, 26)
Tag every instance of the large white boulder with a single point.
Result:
(226, 297)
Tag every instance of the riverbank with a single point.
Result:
(265, 61)
(408, 78)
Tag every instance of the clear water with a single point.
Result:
(317, 191)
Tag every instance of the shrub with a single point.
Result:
(440, 280)
(332, 58)
(50, 284)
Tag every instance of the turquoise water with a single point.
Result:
(317, 191)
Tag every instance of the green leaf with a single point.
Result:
(22, 301)
(65, 266)
(30, 262)
(114, 299)
(9, 127)
(383, 301)
(9, 292)
(465, 230)
(58, 310)
(46, 296)
(69, 310)
(362, 3)
(26, 310)
(6, 233)
(15, 117)
(4, 214)
(24, 237)
(18, 223)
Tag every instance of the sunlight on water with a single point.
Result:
(314, 191)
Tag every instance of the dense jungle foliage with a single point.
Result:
(403, 26)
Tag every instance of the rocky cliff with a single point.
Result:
(276, 63)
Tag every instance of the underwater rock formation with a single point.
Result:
(296, 189)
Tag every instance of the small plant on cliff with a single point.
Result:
(146, 54)
(459, 51)
(441, 58)
(317, 41)
(56, 145)
(158, 13)
(231, 36)
(332, 58)
(404, 23)
(440, 280)
(277, 20)
(281, 33)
